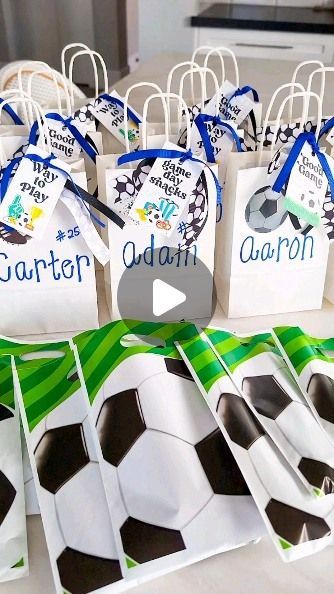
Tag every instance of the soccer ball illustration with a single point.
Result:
(141, 172)
(328, 216)
(265, 211)
(276, 396)
(126, 188)
(197, 213)
(292, 525)
(12, 515)
(321, 392)
(286, 133)
(84, 114)
(173, 466)
(72, 498)
(124, 192)
(7, 490)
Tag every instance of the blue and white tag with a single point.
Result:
(33, 193)
(307, 186)
(109, 110)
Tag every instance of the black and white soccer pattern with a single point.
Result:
(190, 481)
(126, 187)
(72, 498)
(298, 523)
(268, 387)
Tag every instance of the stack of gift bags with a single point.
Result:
(147, 446)
(154, 445)
(214, 182)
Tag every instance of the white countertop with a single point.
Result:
(254, 569)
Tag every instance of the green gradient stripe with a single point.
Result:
(203, 361)
(44, 384)
(302, 348)
(11, 347)
(100, 351)
(6, 382)
(236, 350)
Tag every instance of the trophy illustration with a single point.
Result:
(35, 213)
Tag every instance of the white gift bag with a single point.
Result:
(289, 127)
(267, 261)
(47, 284)
(328, 206)
(195, 240)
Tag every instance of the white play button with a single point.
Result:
(165, 297)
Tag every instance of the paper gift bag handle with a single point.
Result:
(219, 51)
(182, 106)
(16, 93)
(203, 49)
(294, 79)
(94, 56)
(307, 96)
(291, 86)
(59, 82)
(40, 118)
(126, 105)
(26, 66)
(189, 64)
(321, 71)
(64, 51)
(203, 71)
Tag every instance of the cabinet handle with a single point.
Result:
(286, 47)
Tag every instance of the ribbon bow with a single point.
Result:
(284, 174)
(86, 147)
(169, 154)
(200, 122)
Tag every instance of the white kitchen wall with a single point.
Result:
(164, 26)
(276, 2)
(132, 9)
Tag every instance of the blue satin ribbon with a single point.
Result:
(10, 111)
(47, 163)
(284, 174)
(243, 91)
(326, 127)
(86, 147)
(169, 154)
(201, 120)
(131, 114)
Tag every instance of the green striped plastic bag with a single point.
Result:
(311, 361)
(262, 376)
(298, 523)
(65, 467)
(175, 492)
